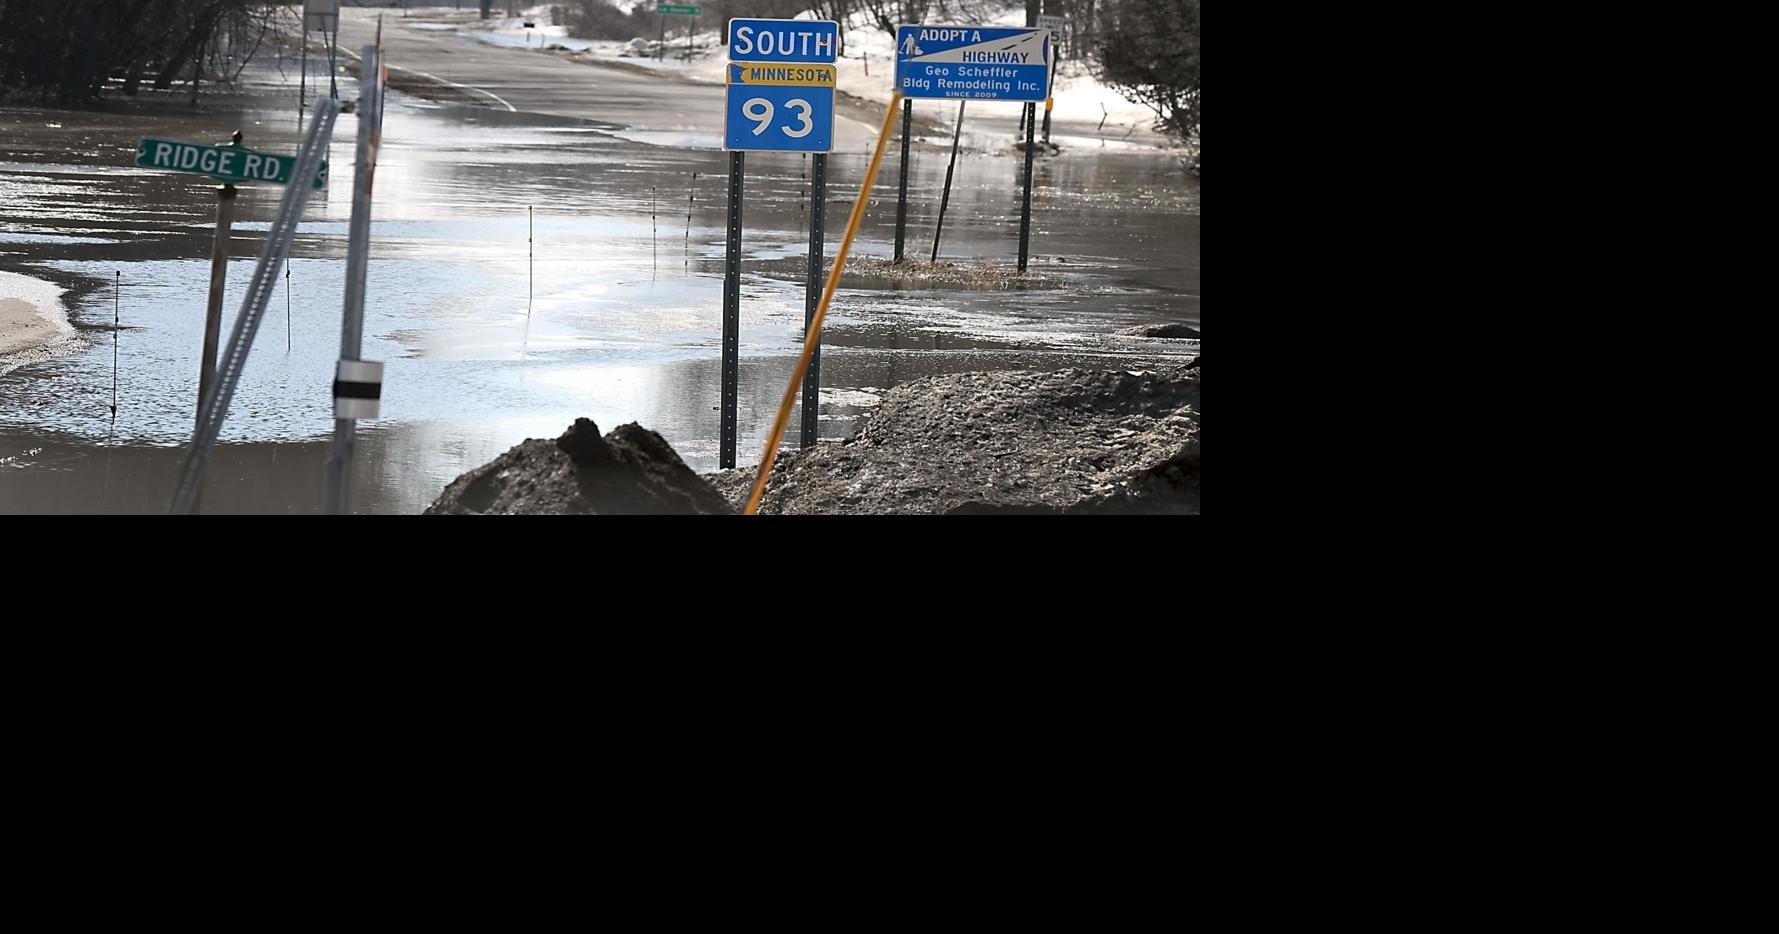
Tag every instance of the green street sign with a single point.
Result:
(227, 162)
(673, 9)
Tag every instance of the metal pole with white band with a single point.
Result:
(358, 384)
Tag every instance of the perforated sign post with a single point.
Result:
(780, 99)
(988, 63)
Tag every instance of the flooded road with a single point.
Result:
(612, 312)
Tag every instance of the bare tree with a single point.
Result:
(1149, 50)
(888, 14)
(71, 50)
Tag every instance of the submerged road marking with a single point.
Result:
(467, 87)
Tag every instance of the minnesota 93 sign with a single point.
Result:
(781, 85)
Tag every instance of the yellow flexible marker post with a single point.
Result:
(813, 335)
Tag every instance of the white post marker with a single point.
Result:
(358, 389)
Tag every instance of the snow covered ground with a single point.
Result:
(32, 321)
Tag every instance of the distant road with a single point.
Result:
(662, 109)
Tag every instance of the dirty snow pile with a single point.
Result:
(632, 470)
(1065, 442)
(1069, 441)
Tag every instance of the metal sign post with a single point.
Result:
(358, 384)
(229, 162)
(1025, 210)
(812, 291)
(732, 315)
(219, 271)
(780, 99)
(902, 186)
(253, 306)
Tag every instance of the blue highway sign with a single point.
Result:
(973, 62)
(781, 85)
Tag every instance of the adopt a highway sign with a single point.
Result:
(227, 162)
(781, 85)
(994, 63)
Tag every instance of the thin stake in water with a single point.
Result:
(690, 196)
(945, 199)
(333, 67)
(116, 305)
(287, 308)
(528, 261)
(654, 234)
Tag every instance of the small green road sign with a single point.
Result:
(674, 9)
(227, 162)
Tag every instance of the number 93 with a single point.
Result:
(760, 110)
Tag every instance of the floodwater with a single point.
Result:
(498, 325)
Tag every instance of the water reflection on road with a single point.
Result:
(614, 315)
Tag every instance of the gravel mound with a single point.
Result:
(1074, 441)
(630, 471)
